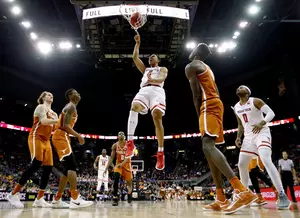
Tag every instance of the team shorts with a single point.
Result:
(41, 150)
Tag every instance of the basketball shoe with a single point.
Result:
(240, 200)
(79, 202)
(59, 204)
(41, 203)
(160, 162)
(15, 200)
(217, 205)
(259, 202)
(283, 203)
(130, 149)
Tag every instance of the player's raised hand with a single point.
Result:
(137, 37)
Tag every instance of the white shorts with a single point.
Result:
(151, 97)
(251, 145)
(101, 177)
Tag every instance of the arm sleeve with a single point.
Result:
(279, 163)
(268, 112)
(292, 164)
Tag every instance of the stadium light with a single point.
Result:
(44, 47)
(243, 24)
(33, 36)
(222, 49)
(26, 24)
(253, 9)
(237, 33)
(16, 10)
(191, 45)
(78, 45)
(216, 45)
(10, 1)
(211, 45)
(258, 0)
(65, 45)
(234, 37)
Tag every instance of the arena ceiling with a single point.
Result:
(264, 50)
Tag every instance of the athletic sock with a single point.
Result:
(58, 196)
(40, 194)
(220, 195)
(132, 123)
(17, 189)
(74, 194)
(160, 149)
(236, 184)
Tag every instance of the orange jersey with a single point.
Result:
(60, 123)
(43, 132)
(207, 84)
(120, 153)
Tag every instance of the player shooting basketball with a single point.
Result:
(150, 96)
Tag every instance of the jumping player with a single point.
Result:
(102, 161)
(210, 114)
(257, 139)
(44, 119)
(151, 96)
(122, 168)
(61, 142)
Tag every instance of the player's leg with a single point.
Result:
(291, 186)
(265, 154)
(47, 169)
(117, 176)
(100, 180)
(157, 103)
(127, 176)
(36, 156)
(243, 164)
(221, 201)
(139, 105)
(254, 180)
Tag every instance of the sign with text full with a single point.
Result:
(151, 10)
(269, 195)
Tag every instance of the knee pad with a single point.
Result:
(69, 164)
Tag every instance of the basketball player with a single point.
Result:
(257, 139)
(102, 161)
(256, 169)
(61, 142)
(122, 168)
(44, 119)
(151, 96)
(210, 114)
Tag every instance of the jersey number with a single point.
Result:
(122, 157)
(245, 118)
(103, 163)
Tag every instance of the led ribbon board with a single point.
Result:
(152, 10)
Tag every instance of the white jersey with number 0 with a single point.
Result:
(103, 161)
(151, 72)
(249, 115)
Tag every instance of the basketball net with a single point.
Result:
(128, 10)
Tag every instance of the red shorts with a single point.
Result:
(211, 119)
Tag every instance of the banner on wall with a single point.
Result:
(269, 195)
(26, 196)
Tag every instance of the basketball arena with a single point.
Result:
(149, 108)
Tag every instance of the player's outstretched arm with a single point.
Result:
(41, 112)
(112, 157)
(96, 162)
(240, 131)
(136, 53)
(195, 87)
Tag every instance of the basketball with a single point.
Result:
(135, 18)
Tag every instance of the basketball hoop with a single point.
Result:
(128, 10)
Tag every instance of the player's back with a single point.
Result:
(120, 153)
(207, 82)
(249, 116)
(103, 161)
(58, 129)
(43, 132)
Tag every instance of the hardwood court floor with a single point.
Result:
(145, 209)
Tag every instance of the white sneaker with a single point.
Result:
(41, 203)
(79, 202)
(15, 200)
(59, 204)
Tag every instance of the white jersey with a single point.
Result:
(249, 116)
(103, 161)
(151, 72)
